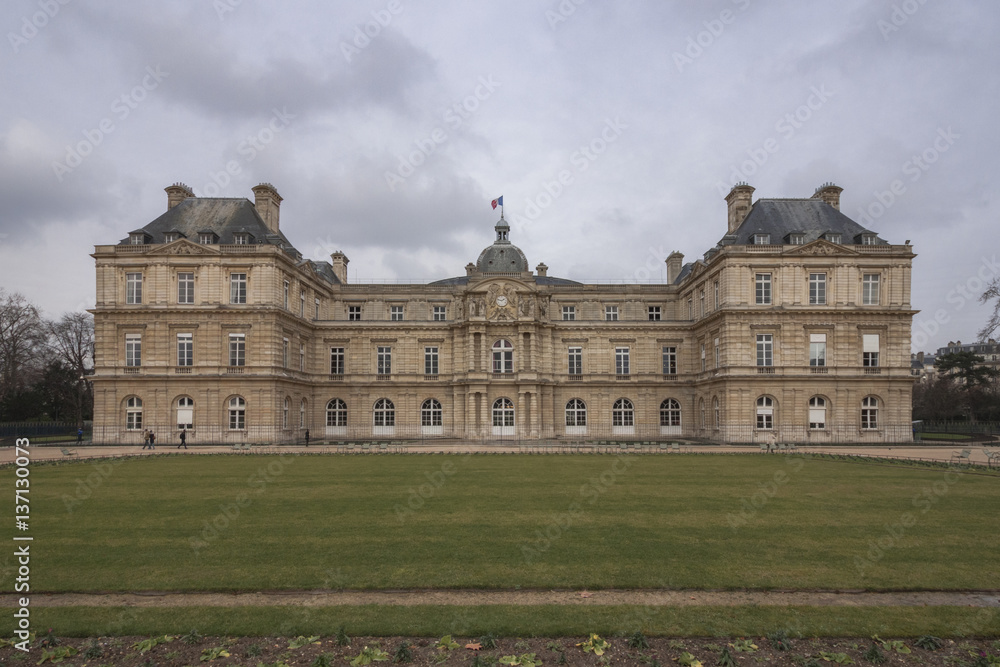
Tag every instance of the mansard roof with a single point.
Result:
(811, 217)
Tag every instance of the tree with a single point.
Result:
(992, 292)
(72, 341)
(968, 370)
(22, 339)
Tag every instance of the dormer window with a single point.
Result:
(761, 239)
(241, 238)
(206, 238)
(869, 239)
(170, 237)
(832, 237)
(796, 239)
(137, 238)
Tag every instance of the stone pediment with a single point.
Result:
(821, 247)
(183, 247)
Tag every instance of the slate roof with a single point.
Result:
(222, 216)
(539, 280)
(812, 217)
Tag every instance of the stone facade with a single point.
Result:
(794, 328)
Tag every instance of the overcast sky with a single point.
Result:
(389, 125)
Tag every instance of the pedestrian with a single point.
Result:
(307, 437)
(145, 438)
(152, 439)
(184, 437)
(79, 436)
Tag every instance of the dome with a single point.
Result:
(503, 256)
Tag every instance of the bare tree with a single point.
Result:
(72, 341)
(992, 292)
(22, 340)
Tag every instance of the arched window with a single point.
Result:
(336, 413)
(817, 413)
(185, 412)
(576, 412)
(133, 413)
(765, 413)
(284, 413)
(503, 412)
(385, 412)
(869, 413)
(302, 413)
(715, 411)
(430, 413)
(503, 356)
(670, 413)
(623, 413)
(237, 413)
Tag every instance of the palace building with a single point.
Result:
(795, 327)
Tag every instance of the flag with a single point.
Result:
(497, 202)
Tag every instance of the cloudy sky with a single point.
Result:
(612, 130)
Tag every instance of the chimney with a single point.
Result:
(739, 201)
(829, 193)
(542, 270)
(177, 193)
(920, 357)
(675, 261)
(470, 268)
(339, 261)
(267, 201)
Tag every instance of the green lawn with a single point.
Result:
(654, 521)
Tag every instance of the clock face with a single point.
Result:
(501, 301)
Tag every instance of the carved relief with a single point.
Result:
(501, 302)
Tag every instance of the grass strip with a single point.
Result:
(521, 621)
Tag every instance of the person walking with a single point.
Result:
(145, 438)
(152, 439)
(184, 437)
(307, 437)
(79, 436)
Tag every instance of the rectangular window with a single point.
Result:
(833, 238)
(133, 350)
(430, 361)
(670, 361)
(796, 239)
(170, 237)
(137, 239)
(817, 349)
(336, 361)
(817, 289)
(237, 349)
(701, 303)
(704, 364)
(185, 349)
(621, 361)
(396, 313)
(870, 289)
(284, 353)
(384, 361)
(575, 360)
(354, 313)
(206, 238)
(133, 288)
(716, 288)
(286, 294)
(690, 309)
(654, 313)
(611, 313)
(761, 239)
(241, 239)
(763, 289)
(717, 356)
(237, 288)
(440, 313)
(765, 350)
(302, 303)
(185, 288)
(869, 350)
(302, 357)
(569, 313)
(316, 303)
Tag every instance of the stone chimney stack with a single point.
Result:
(542, 269)
(339, 261)
(739, 200)
(177, 193)
(675, 261)
(470, 268)
(829, 193)
(267, 201)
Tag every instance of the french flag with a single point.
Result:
(497, 202)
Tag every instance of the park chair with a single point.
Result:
(961, 456)
(782, 447)
(664, 447)
(350, 447)
(383, 448)
(991, 457)
(366, 448)
(66, 452)
(763, 448)
(675, 447)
